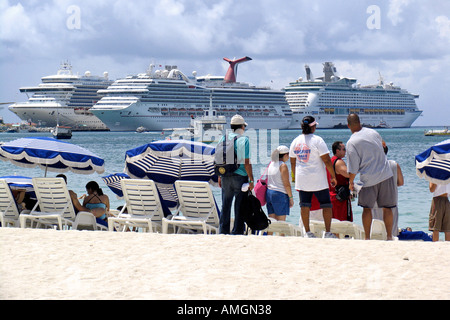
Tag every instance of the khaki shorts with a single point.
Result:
(440, 214)
(383, 194)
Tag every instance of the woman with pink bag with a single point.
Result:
(279, 194)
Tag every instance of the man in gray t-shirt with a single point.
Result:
(365, 155)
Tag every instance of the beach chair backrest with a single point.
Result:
(197, 201)
(8, 207)
(53, 196)
(142, 198)
(378, 230)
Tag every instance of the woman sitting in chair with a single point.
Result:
(97, 202)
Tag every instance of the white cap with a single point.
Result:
(238, 120)
(283, 149)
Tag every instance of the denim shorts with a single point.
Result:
(323, 196)
(277, 203)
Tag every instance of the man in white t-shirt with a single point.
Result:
(310, 159)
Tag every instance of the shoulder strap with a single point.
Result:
(334, 164)
(266, 170)
(224, 149)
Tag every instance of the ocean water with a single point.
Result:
(404, 144)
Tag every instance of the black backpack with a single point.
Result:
(225, 158)
(252, 213)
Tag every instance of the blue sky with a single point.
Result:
(407, 41)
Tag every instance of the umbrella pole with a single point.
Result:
(45, 174)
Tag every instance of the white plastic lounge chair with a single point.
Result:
(197, 206)
(142, 205)
(283, 228)
(9, 213)
(378, 230)
(54, 203)
(343, 228)
(86, 221)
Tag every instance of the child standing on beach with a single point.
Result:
(279, 193)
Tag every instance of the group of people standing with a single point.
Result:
(317, 177)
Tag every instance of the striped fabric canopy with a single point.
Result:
(52, 155)
(168, 195)
(170, 160)
(113, 182)
(434, 163)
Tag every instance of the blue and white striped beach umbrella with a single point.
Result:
(434, 163)
(170, 160)
(52, 155)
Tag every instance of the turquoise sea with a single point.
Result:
(404, 144)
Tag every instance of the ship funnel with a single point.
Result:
(329, 71)
(309, 75)
(231, 75)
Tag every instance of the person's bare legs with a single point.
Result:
(388, 219)
(435, 235)
(305, 217)
(367, 221)
(327, 216)
(278, 218)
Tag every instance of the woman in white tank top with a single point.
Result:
(279, 194)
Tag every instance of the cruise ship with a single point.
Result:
(65, 98)
(331, 98)
(160, 99)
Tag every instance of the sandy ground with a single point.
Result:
(50, 264)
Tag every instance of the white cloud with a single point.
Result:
(396, 9)
(14, 23)
(443, 27)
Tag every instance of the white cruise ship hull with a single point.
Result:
(130, 118)
(340, 121)
(48, 114)
(64, 99)
(330, 99)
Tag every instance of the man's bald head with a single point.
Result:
(353, 122)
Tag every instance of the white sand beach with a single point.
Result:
(49, 264)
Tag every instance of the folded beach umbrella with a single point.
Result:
(52, 155)
(170, 160)
(434, 163)
(113, 182)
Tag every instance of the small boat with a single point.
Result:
(62, 132)
(208, 128)
(444, 132)
(12, 130)
(383, 125)
(141, 129)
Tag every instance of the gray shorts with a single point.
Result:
(383, 194)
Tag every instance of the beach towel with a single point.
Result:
(414, 235)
